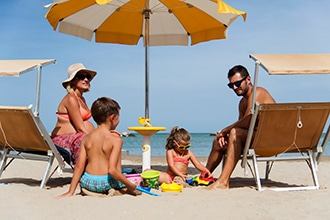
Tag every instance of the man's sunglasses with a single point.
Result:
(237, 83)
(182, 147)
(82, 76)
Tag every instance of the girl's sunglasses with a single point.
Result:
(181, 147)
(82, 76)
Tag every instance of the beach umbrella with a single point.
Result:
(158, 22)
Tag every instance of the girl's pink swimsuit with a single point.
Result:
(178, 159)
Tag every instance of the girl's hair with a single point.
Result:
(102, 108)
(176, 134)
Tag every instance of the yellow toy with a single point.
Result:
(172, 187)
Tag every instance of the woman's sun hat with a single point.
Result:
(74, 69)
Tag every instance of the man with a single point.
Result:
(231, 139)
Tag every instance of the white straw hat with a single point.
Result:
(74, 69)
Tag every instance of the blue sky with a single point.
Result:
(187, 84)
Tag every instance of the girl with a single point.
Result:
(178, 157)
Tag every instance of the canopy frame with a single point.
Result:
(288, 64)
(18, 67)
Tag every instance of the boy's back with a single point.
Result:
(98, 169)
(99, 146)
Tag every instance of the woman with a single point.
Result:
(73, 114)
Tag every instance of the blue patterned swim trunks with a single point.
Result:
(99, 184)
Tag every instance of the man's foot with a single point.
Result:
(218, 185)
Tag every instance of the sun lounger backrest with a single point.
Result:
(289, 127)
(19, 131)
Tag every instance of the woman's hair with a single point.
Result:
(176, 134)
(102, 108)
(70, 87)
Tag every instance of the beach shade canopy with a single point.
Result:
(286, 64)
(18, 67)
(158, 22)
(289, 64)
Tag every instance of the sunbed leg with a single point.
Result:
(313, 169)
(267, 170)
(3, 160)
(49, 165)
(256, 171)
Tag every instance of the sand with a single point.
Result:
(21, 197)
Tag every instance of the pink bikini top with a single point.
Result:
(85, 115)
(182, 160)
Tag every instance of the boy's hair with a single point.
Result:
(102, 108)
(238, 69)
(177, 134)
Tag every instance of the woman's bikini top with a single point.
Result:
(180, 159)
(85, 115)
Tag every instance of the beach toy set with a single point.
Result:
(137, 180)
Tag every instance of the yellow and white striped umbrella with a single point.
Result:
(159, 22)
(171, 22)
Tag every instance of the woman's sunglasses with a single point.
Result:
(182, 147)
(82, 76)
(237, 83)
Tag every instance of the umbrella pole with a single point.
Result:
(146, 45)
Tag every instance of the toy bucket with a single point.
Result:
(134, 178)
(150, 178)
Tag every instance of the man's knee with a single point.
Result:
(237, 133)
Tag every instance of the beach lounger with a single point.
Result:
(23, 136)
(287, 131)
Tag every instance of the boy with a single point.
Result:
(98, 168)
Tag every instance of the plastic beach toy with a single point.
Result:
(134, 178)
(142, 189)
(172, 187)
(150, 178)
(203, 180)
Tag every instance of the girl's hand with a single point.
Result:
(206, 173)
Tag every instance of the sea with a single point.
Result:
(200, 144)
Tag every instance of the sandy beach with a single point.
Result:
(21, 197)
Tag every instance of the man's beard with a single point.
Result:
(242, 92)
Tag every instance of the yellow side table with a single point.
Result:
(146, 131)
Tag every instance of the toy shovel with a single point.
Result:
(146, 191)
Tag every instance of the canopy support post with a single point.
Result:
(36, 108)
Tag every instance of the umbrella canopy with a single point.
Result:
(159, 22)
